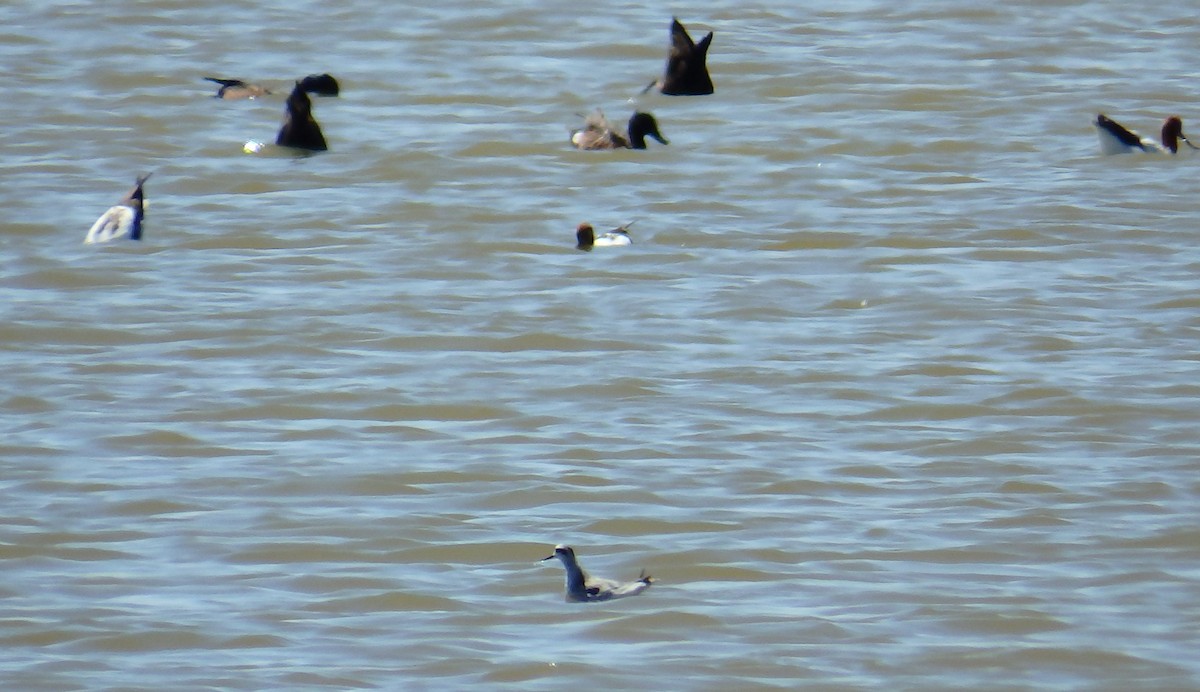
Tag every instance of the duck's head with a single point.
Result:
(585, 238)
(642, 125)
(1172, 132)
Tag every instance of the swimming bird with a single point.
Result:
(586, 239)
(237, 89)
(598, 133)
(1115, 139)
(321, 84)
(300, 128)
(581, 588)
(123, 220)
(686, 73)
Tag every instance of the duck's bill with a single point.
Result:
(551, 556)
(1189, 143)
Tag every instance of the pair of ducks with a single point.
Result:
(686, 75)
(124, 220)
(300, 129)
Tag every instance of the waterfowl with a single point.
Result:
(686, 73)
(321, 85)
(582, 588)
(586, 238)
(598, 133)
(1116, 139)
(237, 89)
(123, 220)
(300, 128)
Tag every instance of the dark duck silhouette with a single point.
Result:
(300, 129)
(122, 220)
(237, 89)
(686, 73)
(321, 85)
(598, 133)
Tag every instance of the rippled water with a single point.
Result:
(895, 389)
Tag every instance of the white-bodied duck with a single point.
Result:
(123, 220)
(586, 238)
(1116, 139)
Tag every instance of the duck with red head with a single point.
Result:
(1116, 139)
(586, 238)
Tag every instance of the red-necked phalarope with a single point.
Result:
(582, 588)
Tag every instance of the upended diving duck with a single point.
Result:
(686, 73)
(598, 133)
(300, 129)
(122, 220)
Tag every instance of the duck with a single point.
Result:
(300, 129)
(232, 89)
(582, 588)
(1116, 139)
(586, 238)
(321, 84)
(124, 219)
(598, 133)
(686, 73)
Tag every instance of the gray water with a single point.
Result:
(896, 388)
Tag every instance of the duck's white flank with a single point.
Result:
(123, 220)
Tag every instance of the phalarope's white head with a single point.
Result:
(583, 588)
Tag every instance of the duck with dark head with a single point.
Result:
(598, 133)
(300, 129)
